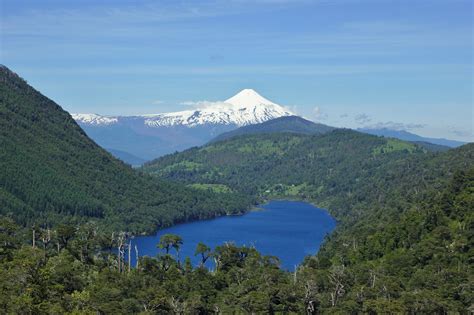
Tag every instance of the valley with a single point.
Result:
(71, 215)
(281, 157)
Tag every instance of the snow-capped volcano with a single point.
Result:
(150, 136)
(249, 97)
(245, 108)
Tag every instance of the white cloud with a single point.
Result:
(364, 121)
(362, 118)
(188, 103)
(395, 126)
(318, 114)
(203, 104)
(463, 133)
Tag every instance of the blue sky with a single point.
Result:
(404, 64)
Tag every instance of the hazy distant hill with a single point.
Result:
(127, 157)
(408, 136)
(130, 135)
(290, 124)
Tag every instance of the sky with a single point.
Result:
(405, 64)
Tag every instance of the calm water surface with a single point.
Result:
(289, 230)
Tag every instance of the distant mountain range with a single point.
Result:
(136, 139)
(407, 136)
(151, 136)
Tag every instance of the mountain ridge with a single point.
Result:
(408, 136)
(288, 124)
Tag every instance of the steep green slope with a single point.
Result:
(405, 214)
(52, 172)
(286, 124)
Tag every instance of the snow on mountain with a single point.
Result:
(154, 135)
(245, 108)
(94, 119)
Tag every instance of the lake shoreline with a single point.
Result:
(288, 229)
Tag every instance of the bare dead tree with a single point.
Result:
(112, 239)
(336, 277)
(311, 289)
(120, 251)
(45, 238)
(136, 257)
(129, 255)
(295, 274)
(178, 306)
(373, 277)
(217, 261)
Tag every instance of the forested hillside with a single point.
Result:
(405, 214)
(51, 172)
(343, 168)
(418, 263)
(286, 124)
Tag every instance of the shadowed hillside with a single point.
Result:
(52, 172)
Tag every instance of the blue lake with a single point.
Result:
(289, 230)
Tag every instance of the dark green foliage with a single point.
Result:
(404, 242)
(422, 265)
(343, 168)
(51, 172)
(404, 238)
(286, 124)
(45, 280)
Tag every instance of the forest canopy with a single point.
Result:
(404, 242)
